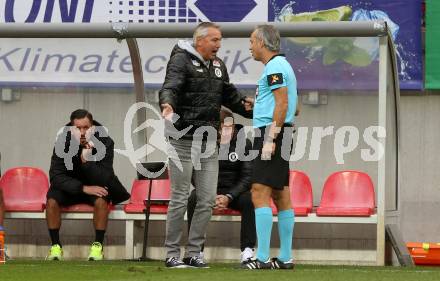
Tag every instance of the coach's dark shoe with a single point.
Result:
(255, 264)
(195, 261)
(174, 263)
(277, 264)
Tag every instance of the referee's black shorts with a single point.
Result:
(274, 172)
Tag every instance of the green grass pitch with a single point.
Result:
(155, 271)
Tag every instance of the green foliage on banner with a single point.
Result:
(432, 50)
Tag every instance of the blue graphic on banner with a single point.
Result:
(67, 11)
(358, 56)
(226, 10)
(153, 11)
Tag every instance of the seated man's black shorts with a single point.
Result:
(67, 199)
(274, 172)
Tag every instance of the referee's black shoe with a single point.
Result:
(277, 264)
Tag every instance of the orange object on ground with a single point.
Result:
(424, 253)
(2, 246)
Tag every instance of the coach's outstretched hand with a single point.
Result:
(248, 103)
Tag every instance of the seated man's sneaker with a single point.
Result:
(195, 261)
(248, 253)
(256, 264)
(175, 263)
(55, 253)
(277, 264)
(96, 252)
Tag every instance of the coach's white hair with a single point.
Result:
(270, 37)
(202, 30)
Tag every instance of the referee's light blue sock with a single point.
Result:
(263, 223)
(286, 220)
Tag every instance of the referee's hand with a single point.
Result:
(267, 151)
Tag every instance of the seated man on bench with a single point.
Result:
(81, 171)
(233, 189)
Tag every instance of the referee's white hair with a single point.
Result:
(270, 37)
(202, 30)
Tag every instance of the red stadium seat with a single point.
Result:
(82, 208)
(301, 193)
(349, 194)
(78, 208)
(227, 212)
(273, 207)
(24, 189)
(160, 196)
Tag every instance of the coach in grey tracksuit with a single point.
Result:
(195, 87)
